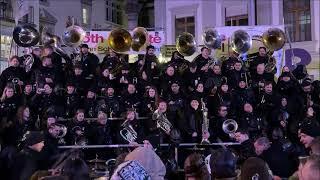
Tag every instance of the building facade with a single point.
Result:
(300, 17)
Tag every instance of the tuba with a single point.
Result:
(240, 41)
(73, 36)
(25, 36)
(230, 126)
(128, 133)
(274, 39)
(162, 121)
(186, 44)
(140, 39)
(120, 40)
(211, 38)
(205, 121)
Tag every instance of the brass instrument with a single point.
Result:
(25, 36)
(270, 67)
(60, 130)
(211, 38)
(230, 126)
(162, 121)
(186, 44)
(119, 40)
(52, 40)
(205, 121)
(128, 133)
(140, 39)
(73, 36)
(28, 62)
(274, 39)
(240, 41)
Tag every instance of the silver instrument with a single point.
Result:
(211, 38)
(80, 140)
(186, 44)
(205, 121)
(241, 41)
(28, 62)
(128, 133)
(25, 35)
(230, 126)
(162, 121)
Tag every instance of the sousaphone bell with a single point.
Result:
(274, 39)
(211, 38)
(26, 36)
(186, 44)
(140, 39)
(120, 40)
(241, 41)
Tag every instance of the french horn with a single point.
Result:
(186, 44)
(140, 39)
(240, 41)
(274, 39)
(25, 36)
(120, 40)
(211, 38)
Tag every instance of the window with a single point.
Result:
(241, 20)
(114, 11)
(29, 18)
(297, 17)
(185, 24)
(85, 16)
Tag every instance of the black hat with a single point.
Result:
(92, 89)
(51, 85)
(150, 47)
(84, 46)
(310, 128)
(32, 137)
(306, 82)
(70, 83)
(300, 72)
(223, 164)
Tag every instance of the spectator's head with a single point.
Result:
(223, 164)
(23, 114)
(307, 132)
(216, 69)
(102, 118)
(150, 50)
(112, 53)
(199, 87)
(170, 71)
(285, 69)
(315, 146)
(242, 84)
(311, 169)
(152, 92)
(106, 72)
(162, 106)
(175, 87)
(238, 65)
(131, 88)
(91, 93)
(310, 112)
(268, 87)
(8, 92)
(130, 114)
(47, 50)
(193, 67)
(51, 119)
(78, 69)
(285, 76)
(48, 88)
(222, 111)
(195, 168)
(260, 68)
(76, 169)
(194, 103)
(255, 168)
(262, 51)
(46, 61)
(37, 51)
(205, 52)
(84, 48)
(247, 107)
(110, 91)
(261, 144)
(14, 61)
(28, 88)
(34, 140)
(70, 88)
(306, 85)
(79, 115)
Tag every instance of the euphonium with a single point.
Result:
(229, 126)
(162, 121)
(128, 133)
(205, 121)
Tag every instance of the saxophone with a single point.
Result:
(162, 121)
(205, 121)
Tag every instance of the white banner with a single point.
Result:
(97, 41)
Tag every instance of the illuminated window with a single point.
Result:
(84, 16)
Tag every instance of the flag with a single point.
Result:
(20, 9)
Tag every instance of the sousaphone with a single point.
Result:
(25, 35)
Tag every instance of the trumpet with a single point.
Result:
(230, 126)
(205, 122)
(162, 121)
(128, 133)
